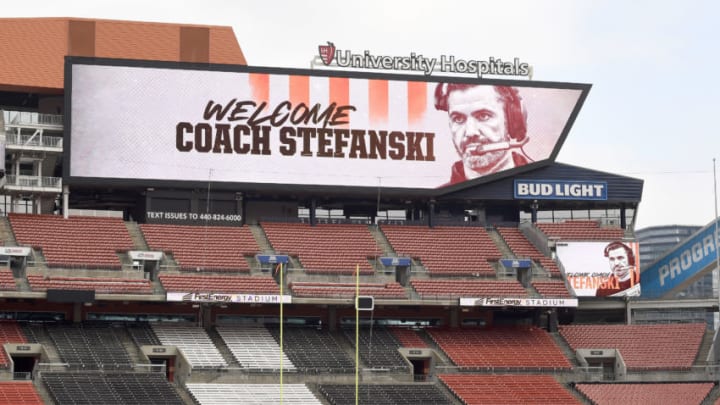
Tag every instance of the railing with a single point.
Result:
(34, 140)
(32, 118)
(33, 181)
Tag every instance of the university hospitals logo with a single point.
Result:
(327, 53)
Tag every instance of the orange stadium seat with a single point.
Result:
(91, 242)
(209, 248)
(663, 346)
(446, 250)
(325, 248)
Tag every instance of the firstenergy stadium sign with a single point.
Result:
(148, 123)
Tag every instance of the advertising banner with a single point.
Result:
(601, 268)
(296, 127)
(518, 302)
(228, 298)
(696, 254)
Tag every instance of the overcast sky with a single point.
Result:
(651, 113)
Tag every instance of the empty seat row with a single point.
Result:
(508, 389)
(655, 393)
(254, 348)
(385, 394)
(194, 343)
(219, 284)
(251, 394)
(661, 346)
(501, 348)
(111, 388)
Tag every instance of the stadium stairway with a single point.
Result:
(38, 334)
(261, 239)
(704, 349)
(136, 235)
(222, 347)
(6, 233)
(501, 244)
(381, 240)
(565, 348)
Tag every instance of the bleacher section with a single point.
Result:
(523, 249)
(110, 388)
(664, 346)
(314, 351)
(209, 248)
(508, 389)
(90, 346)
(19, 393)
(194, 343)
(580, 230)
(408, 338)
(10, 332)
(639, 344)
(384, 394)
(325, 248)
(143, 335)
(251, 394)
(89, 242)
(446, 250)
(501, 348)
(105, 285)
(347, 290)
(254, 348)
(7, 282)
(219, 284)
(437, 288)
(378, 349)
(552, 289)
(665, 394)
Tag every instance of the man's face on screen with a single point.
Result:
(477, 118)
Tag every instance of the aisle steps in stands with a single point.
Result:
(6, 233)
(136, 235)
(222, 347)
(565, 348)
(501, 244)
(131, 348)
(704, 349)
(381, 240)
(38, 334)
(261, 239)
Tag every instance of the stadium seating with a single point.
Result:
(663, 346)
(143, 335)
(208, 248)
(523, 249)
(437, 288)
(19, 393)
(7, 282)
(501, 348)
(254, 348)
(408, 338)
(347, 290)
(110, 388)
(384, 394)
(378, 349)
(88, 242)
(314, 351)
(508, 389)
(446, 250)
(663, 393)
(194, 343)
(552, 289)
(105, 285)
(251, 394)
(10, 332)
(325, 248)
(90, 346)
(580, 230)
(219, 284)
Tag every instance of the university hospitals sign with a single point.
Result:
(331, 56)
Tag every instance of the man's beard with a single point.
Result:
(481, 162)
